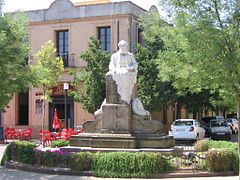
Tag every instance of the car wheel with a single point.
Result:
(197, 137)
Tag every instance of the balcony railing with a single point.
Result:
(68, 59)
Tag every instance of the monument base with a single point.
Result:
(98, 140)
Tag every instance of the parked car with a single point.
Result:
(207, 119)
(189, 129)
(219, 129)
(233, 123)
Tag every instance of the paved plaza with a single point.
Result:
(10, 174)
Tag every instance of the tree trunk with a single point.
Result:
(43, 121)
(238, 118)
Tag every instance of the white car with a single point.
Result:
(233, 123)
(189, 129)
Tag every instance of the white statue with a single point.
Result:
(138, 108)
(123, 68)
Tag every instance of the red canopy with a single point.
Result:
(56, 124)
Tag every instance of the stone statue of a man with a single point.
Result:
(123, 68)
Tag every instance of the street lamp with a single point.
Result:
(65, 87)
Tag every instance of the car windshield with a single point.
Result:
(218, 123)
(183, 123)
(229, 120)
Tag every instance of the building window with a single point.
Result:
(104, 36)
(62, 46)
(23, 106)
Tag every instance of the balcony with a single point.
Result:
(68, 59)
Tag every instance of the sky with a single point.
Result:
(24, 5)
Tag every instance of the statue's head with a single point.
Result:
(123, 47)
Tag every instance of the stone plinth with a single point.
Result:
(99, 140)
(112, 95)
(116, 118)
(154, 141)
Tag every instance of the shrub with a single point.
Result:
(20, 151)
(204, 145)
(80, 161)
(220, 160)
(125, 164)
(234, 161)
(59, 143)
(52, 157)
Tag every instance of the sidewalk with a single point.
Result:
(207, 178)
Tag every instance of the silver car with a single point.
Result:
(220, 129)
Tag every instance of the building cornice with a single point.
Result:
(65, 9)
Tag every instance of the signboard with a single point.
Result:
(39, 106)
(59, 90)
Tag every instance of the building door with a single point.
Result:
(58, 103)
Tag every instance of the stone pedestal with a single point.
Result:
(112, 96)
(116, 118)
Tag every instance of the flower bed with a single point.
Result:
(116, 164)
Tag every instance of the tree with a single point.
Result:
(46, 70)
(154, 93)
(203, 46)
(14, 71)
(92, 93)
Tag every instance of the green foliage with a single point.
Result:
(234, 161)
(124, 164)
(220, 155)
(52, 159)
(20, 151)
(219, 160)
(202, 46)
(59, 143)
(154, 93)
(92, 93)
(157, 93)
(205, 145)
(81, 161)
(46, 69)
(14, 72)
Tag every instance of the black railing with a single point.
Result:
(68, 59)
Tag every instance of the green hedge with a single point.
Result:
(80, 161)
(220, 155)
(125, 164)
(218, 160)
(59, 143)
(20, 151)
(204, 145)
